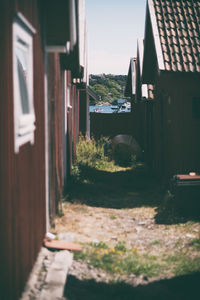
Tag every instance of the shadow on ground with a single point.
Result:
(124, 189)
(179, 288)
(130, 189)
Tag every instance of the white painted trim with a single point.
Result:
(24, 126)
(144, 91)
(46, 111)
(25, 22)
(156, 35)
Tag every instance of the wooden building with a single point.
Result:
(40, 57)
(171, 63)
(141, 102)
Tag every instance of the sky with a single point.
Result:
(113, 29)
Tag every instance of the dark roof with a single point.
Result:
(178, 25)
(92, 94)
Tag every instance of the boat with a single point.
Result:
(98, 110)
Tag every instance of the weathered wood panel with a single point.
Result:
(55, 132)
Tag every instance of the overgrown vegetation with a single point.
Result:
(108, 87)
(91, 154)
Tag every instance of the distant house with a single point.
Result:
(43, 79)
(171, 64)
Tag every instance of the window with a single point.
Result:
(24, 116)
(196, 108)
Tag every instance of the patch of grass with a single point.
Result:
(80, 255)
(195, 243)
(112, 217)
(140, 265)
(187, 265)
(155, 242)
(120, 246)
(119, 259)
(182, 264)
(124, 261)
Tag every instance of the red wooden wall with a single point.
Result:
(176, 146)
(22, 175)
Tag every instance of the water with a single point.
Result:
(105, 109)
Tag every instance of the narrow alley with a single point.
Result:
(99, 149)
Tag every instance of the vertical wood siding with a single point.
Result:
(55, 130)
(176, 133)
(22, 175)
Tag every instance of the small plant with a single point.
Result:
(100, 245)
(120, 246)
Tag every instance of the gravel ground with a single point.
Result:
(133, 208)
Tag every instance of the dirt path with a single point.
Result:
(126, 207)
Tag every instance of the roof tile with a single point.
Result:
(179, 28)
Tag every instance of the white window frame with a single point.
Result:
(24, 122)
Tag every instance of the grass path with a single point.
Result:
(131, 232)
(125, 229)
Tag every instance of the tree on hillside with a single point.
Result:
(108, 87)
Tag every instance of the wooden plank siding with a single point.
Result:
(55, 132)
(176, 132)
(102, 124)
(22, 175)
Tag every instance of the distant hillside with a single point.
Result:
(108, 87)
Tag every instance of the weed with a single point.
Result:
(112, 217)
(120, 246)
